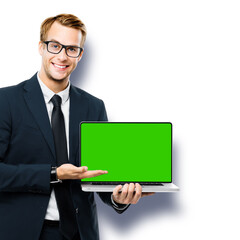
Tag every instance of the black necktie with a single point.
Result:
(68, 223)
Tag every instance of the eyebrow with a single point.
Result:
(53, 40)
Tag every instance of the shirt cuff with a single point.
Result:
(118, 206)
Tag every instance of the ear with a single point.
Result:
(40, 48)
(80, 56)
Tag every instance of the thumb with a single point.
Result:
(82, 169)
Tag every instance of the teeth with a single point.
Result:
(59, 66)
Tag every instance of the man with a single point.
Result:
(40, 193)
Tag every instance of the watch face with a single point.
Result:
(54, 178)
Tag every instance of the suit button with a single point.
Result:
(76, 210)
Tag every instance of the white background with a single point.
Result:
(153, 60)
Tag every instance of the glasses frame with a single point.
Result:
(63, 46)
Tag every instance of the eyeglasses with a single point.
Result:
(55, 48)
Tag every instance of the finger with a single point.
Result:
(78, 171)
(138, 193)
(131, 189)
(124, 192)
(116, 190)
(147, 194)
(116, 193)
(81, 169)
(94, 173)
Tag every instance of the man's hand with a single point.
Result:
(69, 171)
(130, 194)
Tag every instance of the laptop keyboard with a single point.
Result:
(122, 183)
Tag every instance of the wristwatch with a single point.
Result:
(54, 178)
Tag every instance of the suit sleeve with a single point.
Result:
(106, 197)
(20, 177)
(103, 113)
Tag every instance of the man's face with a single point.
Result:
(58, 67)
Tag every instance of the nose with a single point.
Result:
(62, 55)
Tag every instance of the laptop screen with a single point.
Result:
(129, 151)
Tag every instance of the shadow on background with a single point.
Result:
(148, 207)
(78, 76)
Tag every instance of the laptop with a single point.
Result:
(131, 152)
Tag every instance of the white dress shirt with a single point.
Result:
(52, 210)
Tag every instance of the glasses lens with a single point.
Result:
(73, 51)
(54, 47)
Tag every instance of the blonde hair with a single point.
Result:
(67, 20)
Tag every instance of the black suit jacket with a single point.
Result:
(27, 154)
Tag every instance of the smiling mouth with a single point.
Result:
(60, 66)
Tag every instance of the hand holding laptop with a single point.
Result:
(129, 193)
(69, 171)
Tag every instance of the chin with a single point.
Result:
(58, 78)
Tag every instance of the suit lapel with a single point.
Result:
(35, 101)
(78, 113)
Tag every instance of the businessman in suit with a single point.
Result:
(40, 192)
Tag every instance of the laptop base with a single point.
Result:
(165, 187)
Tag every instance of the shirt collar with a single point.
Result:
(48, 93)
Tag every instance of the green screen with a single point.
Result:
(130, 152)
